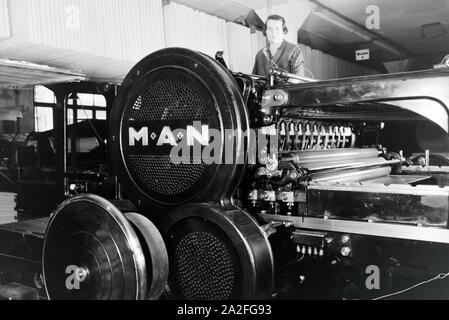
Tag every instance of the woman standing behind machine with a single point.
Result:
(279, 53)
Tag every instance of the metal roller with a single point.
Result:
(346, 164)
(312, 156)
(156, 256)
(352, 176)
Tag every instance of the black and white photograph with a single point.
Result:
(220, 158)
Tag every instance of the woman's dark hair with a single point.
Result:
(276, 18)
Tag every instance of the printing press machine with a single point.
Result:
(329, 184)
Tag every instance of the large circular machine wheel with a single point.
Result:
(92, 252)
(217, 254)
(162, 96)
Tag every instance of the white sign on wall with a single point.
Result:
(361, 55)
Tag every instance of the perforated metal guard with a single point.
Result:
(217, 253)
(170, 91)
(203, 267)
(163, 177)
(169, 100)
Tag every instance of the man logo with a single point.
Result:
(76, 276)
(135, 136)
(373, 280)
(197, 132)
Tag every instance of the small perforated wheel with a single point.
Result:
(217, 254)
(91, 252)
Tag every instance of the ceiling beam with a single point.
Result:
(366, 35)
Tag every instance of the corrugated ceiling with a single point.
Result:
(17, 74)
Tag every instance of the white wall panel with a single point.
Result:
(123, 29)
(258, 42)
(4, 20)
(239, 44)
(189, 28)
(100, 38)
(105, 38)
(325, 67)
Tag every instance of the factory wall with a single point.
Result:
(105, 38)
(4, 20)
(101, 38)
(112, 28)
(197, 30)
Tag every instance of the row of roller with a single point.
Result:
(341, 165)
(283, 190)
